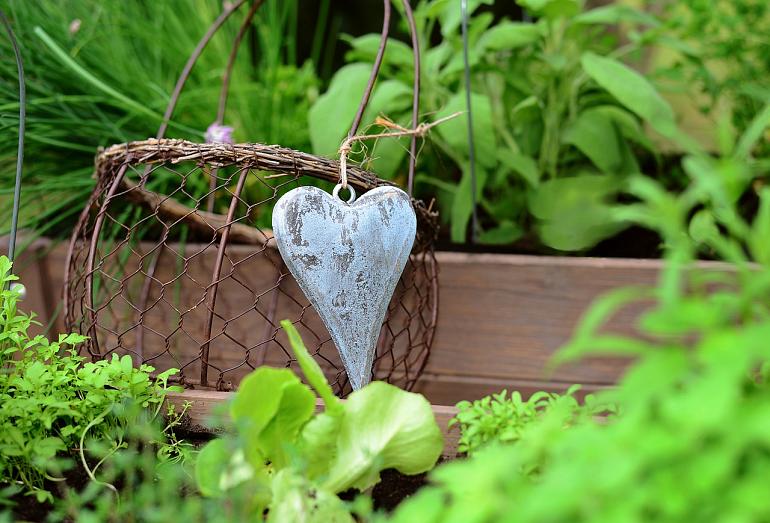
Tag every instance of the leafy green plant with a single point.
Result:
(293, 462)
(53, 402)
(690, 441)
(501, 419)
(557, 117)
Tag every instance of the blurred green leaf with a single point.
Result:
(509, 35)
(524, 166)
(455, 131)
(595, 136)
(551, 8)
(331, 116)
(615, 14)
(631, 89)
(575, 213)
(505, 233)
(462, 203)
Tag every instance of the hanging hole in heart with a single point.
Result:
(336, 192)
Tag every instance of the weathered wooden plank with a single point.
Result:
(501, 318)
(202, 404)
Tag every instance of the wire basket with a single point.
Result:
(190, 278)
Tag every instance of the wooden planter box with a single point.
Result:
(501, 317)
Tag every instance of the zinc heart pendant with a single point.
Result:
(347, 257)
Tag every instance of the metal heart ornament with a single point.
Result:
(347, 257)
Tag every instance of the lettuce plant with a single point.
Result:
(294, 461)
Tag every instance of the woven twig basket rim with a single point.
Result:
(270, 158)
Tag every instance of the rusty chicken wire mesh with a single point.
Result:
(191, 278)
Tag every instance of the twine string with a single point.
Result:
(395, 132)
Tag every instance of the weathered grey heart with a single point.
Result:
(347, 257)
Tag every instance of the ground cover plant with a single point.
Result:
(59, 411)
(500, 418)
(86, 441)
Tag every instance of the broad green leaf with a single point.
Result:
(575, 213)
(629, 126)
(551, 8)
(524, 166)
(505, 233)
(390, 99)
(269, 410)
(632, 90)
(383, 427)
(509, 35)
(436, 57)
(450, 14)
(364, 49)
(593, 134)
(703, 228)
(297, 500)
(210, 464)
(455, 131)
(318, 442)
(754, 133)
(614, 14)
(330, 117)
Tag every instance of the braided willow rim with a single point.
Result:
(272, 158)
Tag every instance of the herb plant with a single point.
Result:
(53, 402)
(690, 441)
(101, 73)
(557, 117)
(501, 419)
(719, 49)
(293, 462)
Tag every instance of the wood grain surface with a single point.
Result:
(501, 317)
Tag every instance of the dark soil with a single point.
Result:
(27, 508)
(395, 488)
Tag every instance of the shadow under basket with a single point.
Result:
(173, 262)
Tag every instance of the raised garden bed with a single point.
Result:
(514, 310)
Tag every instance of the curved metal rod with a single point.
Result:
(221, 19)
(92, 255)
(180, 83)
(211, 294)
(375, 69)
(223, 93)
(468, 104)
(415, 92)
(20, 150)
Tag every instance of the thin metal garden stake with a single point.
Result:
(20, 152)
(471, 144)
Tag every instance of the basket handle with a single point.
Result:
(256, 4)
(215, 26)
